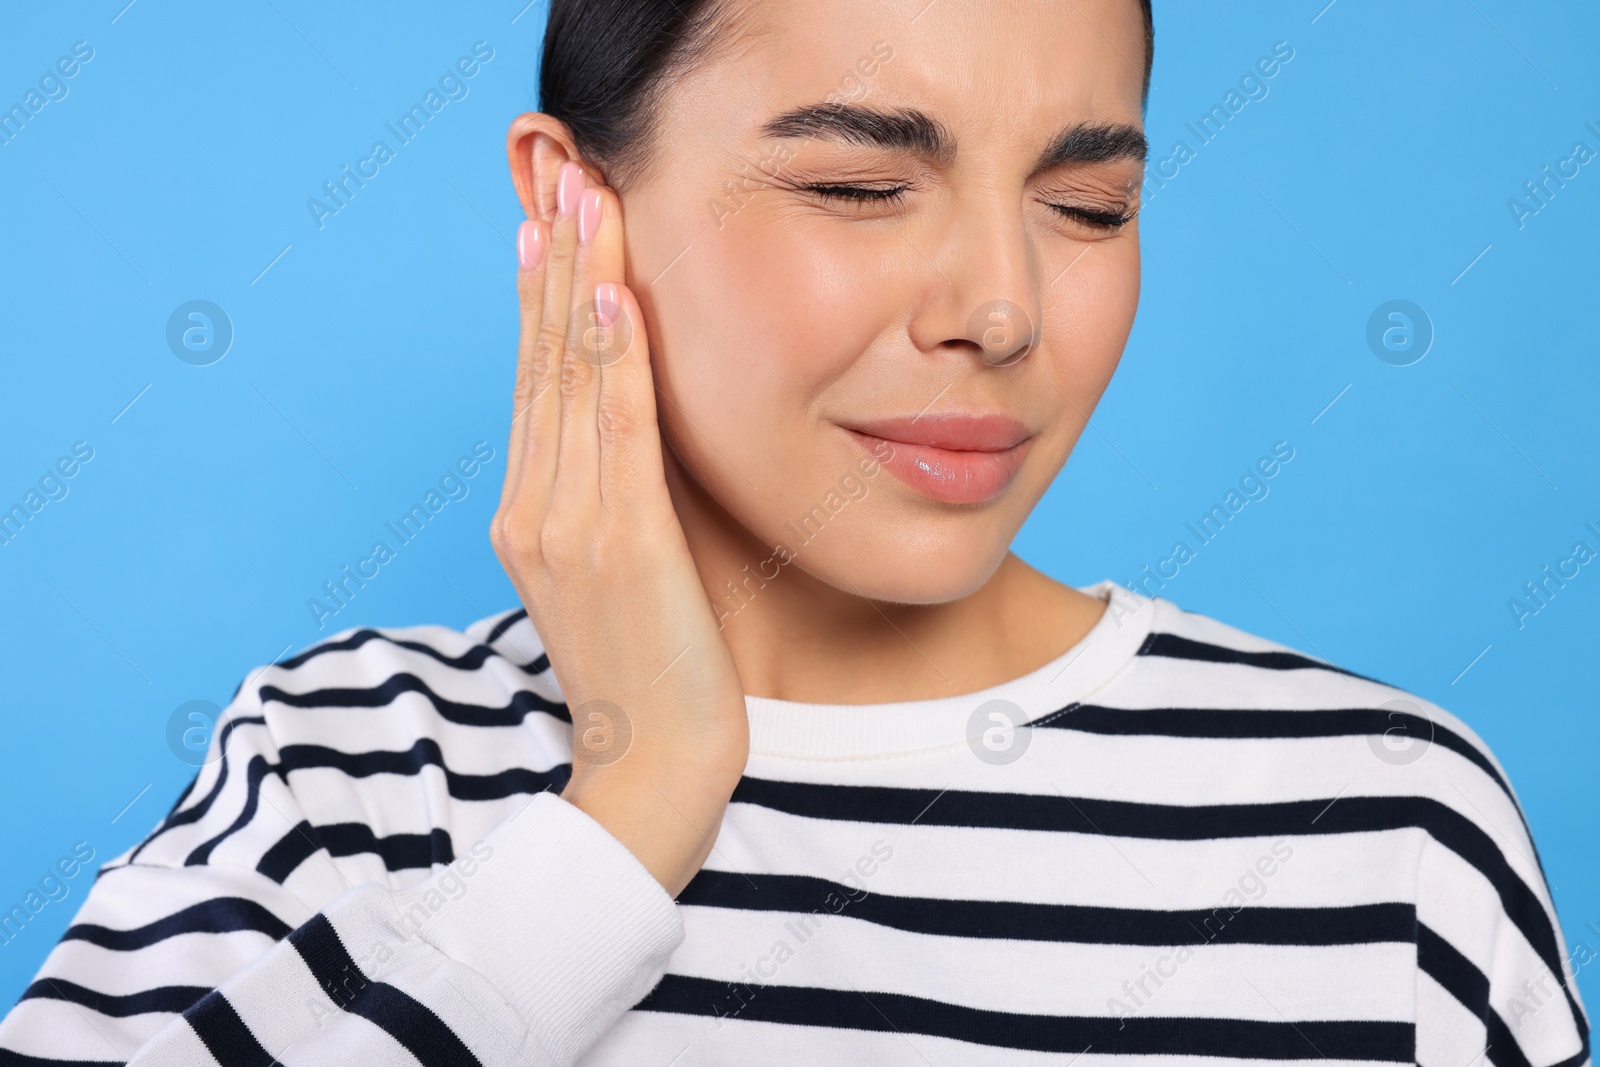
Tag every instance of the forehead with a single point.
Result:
(989, 69)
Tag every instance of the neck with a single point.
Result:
(796, 637)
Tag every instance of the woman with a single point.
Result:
(787, 759)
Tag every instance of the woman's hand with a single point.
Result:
(588, 534)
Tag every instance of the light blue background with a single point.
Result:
(377, 350)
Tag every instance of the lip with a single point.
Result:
(954, 459)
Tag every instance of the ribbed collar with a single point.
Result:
(796, 730)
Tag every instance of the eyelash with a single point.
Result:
(857, 194)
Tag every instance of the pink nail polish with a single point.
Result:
(607, 303)
(569, 187)
(588, 215)
(530, 245)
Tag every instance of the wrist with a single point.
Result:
(667, 815)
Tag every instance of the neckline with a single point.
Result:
(796, 730)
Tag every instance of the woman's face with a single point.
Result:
(849, 377)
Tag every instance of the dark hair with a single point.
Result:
(606, 63)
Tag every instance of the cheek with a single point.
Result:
(1088, 314)
(758, 322)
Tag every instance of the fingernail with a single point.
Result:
(607, 303)
(530, 245)
(588, 215)
(569, 187)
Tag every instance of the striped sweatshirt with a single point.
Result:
(1176, 843)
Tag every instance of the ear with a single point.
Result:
(536, 147)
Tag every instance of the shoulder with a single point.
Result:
(1247, 685)
(498, 656)
(386, 687)
(1363, 755)
(1368, 758)
(1282, 723)
(383, 749)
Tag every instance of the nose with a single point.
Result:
(1004, 331)
(985, 300)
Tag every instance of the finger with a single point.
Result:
(630, 436)
(533, 244)
(541, 454)
(578, 472)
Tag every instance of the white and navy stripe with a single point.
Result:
(1014, 914)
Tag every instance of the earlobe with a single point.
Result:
(536, 147)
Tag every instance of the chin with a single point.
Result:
(903, 552)
(907, 570)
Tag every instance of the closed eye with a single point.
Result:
(858, 194)
(1100, 220)
(861, 194)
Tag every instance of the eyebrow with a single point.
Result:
(914, 131)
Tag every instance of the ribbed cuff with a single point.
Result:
(560, 917)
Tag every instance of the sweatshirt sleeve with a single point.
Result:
(525, 949)
(1496, 983)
